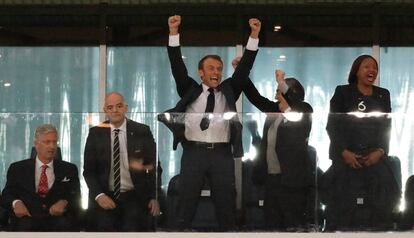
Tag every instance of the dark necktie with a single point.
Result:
(205, 122)
(43, 184)
(117, 168)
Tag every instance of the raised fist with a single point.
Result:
(173, 23)
(255, 24)
(280, 76)
(235, 62)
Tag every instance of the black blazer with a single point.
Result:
(189, 90)
(292, 140)
(98, 155)
(353, 133)
(21, 185)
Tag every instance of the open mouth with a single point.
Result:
(371, 77)
(214, 79)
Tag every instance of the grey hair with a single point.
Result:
(44, 129)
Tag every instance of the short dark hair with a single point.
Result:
(201, 62)
(352, 77)
(298, 92)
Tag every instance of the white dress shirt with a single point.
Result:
(126, 181)
(50, 173)
(273, 163)
(219, 128)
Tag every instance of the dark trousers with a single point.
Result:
(42, 223)
(131, 214)
(284, 206)
(217, 165)
(362, 199)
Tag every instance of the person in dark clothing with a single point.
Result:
(209, 141)
(364, 191)
(43, 193)
(119, 169)
(283, 164)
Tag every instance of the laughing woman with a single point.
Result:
(364, 192)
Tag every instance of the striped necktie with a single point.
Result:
(117, 167)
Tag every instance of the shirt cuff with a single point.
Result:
(98, 196)
(289, 109)
(15, 201)
(252, 44)
(283, 87)
(174, 40)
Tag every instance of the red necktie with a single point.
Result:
(43, 184)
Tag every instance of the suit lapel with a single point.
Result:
(223, 87)
(130, 137)
(198, 90)
(57, 169)
(190, 97)
(106, 140)
(30, 175)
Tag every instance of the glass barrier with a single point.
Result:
(285, 181)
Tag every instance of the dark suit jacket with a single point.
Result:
(21, 185)
(353, 133)
(189, 90)
(98, 155)
(292, 140)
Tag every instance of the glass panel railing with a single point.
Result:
(284, 181)
(369, 194)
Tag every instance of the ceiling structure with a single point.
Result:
(206, 22)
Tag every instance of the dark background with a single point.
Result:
(208, 22)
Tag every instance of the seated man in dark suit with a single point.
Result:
(43, 194)
(120, 157)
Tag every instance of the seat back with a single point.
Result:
(204, 218)
(253, 217)
(4, 218)
(407, 219)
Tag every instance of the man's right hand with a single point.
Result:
(173, 23)
(351, 159)
(106, 202)
(20, 210)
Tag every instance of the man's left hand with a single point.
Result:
(373, 157)
(255, 26)
(58, 208)
(154, 207)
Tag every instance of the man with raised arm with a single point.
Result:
(209, 129)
